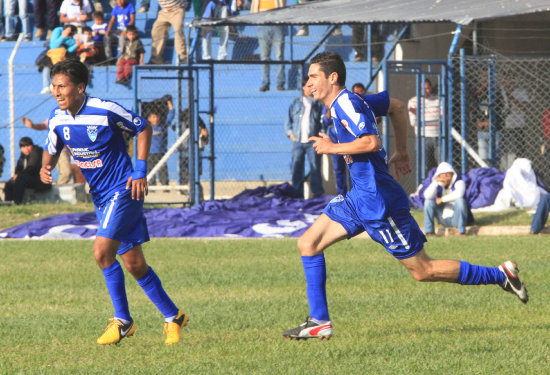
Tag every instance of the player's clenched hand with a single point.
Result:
(401, 163)
(322, 144)
(46, 174)
(139, 187)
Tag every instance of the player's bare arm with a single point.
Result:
(48, 164)
(366, 143)
(139, 185)
(398, 118)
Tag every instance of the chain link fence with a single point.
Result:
(503, 104)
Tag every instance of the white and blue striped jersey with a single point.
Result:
(94, 138)
(375, 193)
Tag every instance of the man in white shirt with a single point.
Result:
(432, 114)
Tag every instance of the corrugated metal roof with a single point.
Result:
(387, 11)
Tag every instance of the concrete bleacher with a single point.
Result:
(250, 140)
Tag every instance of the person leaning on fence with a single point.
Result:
(304, 121)
(171, 13)
(431, 115)
(123, 15)
(184, 148)
(62, 45)
(27, 172)
(268, 37)
(132, 54)
(444, 200)
(160, 122)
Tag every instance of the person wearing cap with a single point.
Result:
(27, 172)
(444, 200)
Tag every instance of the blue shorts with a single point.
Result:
(398, 233)
(122, 219)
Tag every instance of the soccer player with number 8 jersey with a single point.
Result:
(376, 203)
(92, 129)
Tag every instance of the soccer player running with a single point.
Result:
(376, 203)
(91, 128)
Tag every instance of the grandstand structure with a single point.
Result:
(248, 147)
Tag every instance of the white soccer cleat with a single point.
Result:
(309, 330)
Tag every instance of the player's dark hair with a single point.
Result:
(331, 62)
(358, 84)
(77, 71)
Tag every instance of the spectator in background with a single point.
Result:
(304, 121)
(87, 52)
(132, 54)
(45, 17)
(514, 123)
(358, 35)
(123, 15)
(75, 12)
(27, 172)
(432, 114)
(98, 31)
(159, 143)
(359, 88)
(10, 19)
(268, 37)
(541, 214)
(444, 200)
(481, 108)
(171, 13)
(2, 160)
(61, 43)
(65, 166)
(215, 9)
(184, 148)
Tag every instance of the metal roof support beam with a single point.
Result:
(449, 114)
(387, 55)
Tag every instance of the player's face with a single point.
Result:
(318, 84)
(68, 95)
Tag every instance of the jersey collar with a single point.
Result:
(80, 109)
(337, 96)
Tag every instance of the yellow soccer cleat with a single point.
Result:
(116, 331)
(173, 328)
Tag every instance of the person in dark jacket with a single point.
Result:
(27, 172)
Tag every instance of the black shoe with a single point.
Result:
(512, 282)
(264, 88)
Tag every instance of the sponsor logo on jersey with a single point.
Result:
(336, 199)
(92, 132)
(361, 125)
(121, 125)
(345, 123)
(96, 163)
(84, 152)
(348, 159)
(136, 121)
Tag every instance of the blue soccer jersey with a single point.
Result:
(94, 138)
(375, 193)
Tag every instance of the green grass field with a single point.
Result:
(241, 294)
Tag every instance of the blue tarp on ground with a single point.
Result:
(274, 211)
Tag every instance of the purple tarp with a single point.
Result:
(274, 211)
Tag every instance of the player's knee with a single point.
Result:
(103, 257)
(423, 274)
(307, 247)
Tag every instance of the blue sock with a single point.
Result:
(114, 279)
(470, 274)
(316, 278)
(153, 288)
